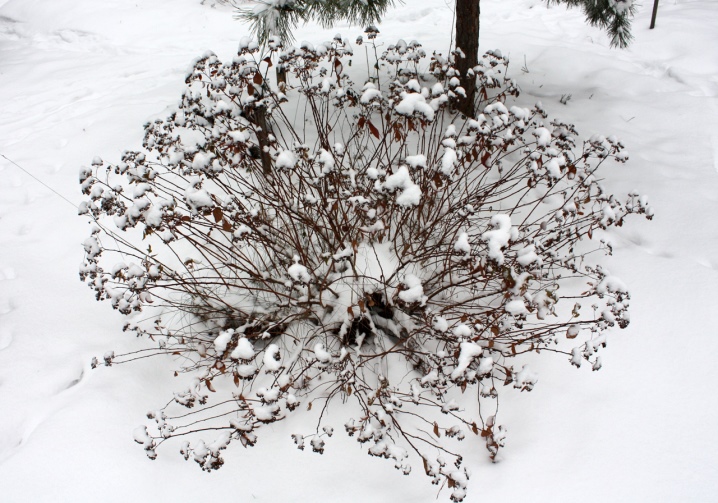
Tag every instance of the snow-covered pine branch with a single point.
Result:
(279, 17)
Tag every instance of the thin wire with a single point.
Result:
(107, 231)
(38, 180)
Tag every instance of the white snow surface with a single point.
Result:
(79, 78)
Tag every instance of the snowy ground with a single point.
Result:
(78, 78)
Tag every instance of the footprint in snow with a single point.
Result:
(76, 381)
(707, 263)
(76, 39)
(5, 339)
(417, 15)
(9, 29)
(7, 306)
(7, 273)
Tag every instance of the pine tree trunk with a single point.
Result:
(467, 39)
(653, 15)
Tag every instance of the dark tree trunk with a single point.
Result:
(282, 78)
(653, 15)
(258, 117)
(467, 39)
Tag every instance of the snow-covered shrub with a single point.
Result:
(356, 246)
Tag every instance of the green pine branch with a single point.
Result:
(280, 17)
(613, 16)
